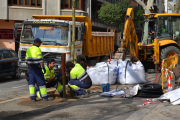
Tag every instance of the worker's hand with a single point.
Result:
(57, 75)
(44, 70)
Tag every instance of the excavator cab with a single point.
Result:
(149, 31)
(160, 38)
(165, 27)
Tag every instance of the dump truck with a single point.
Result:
(55, 31)
(164, 45)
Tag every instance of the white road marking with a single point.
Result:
(10, 100)
(19, 86)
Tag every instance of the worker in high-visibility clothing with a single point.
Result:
(34, 61)
(51, 78)
(79, 79)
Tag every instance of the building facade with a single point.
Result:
(16, 11)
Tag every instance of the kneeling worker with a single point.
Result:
(79, 78)
(51, 78)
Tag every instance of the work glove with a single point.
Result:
(44, 70)
(57, 75)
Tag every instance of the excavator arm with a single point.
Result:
(130, 39)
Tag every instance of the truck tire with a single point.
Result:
(169, 51)
(104, 58)
(17, 73)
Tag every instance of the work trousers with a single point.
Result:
(77, 86)
(51, 84)
(38, 76)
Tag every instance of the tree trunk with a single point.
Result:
(171, 7)
(177, 6)
(163, 9)
(174, 9)
(73, 34)
(147, 11)
(146, 7)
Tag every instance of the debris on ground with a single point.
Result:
(173, 96)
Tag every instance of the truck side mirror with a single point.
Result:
(80, 35)
(15, 30)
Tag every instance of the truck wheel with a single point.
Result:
(104, 58)
(17, 74)
(169, 52)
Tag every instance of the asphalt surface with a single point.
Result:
(15, 104)
(11, 88)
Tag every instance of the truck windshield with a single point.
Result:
(56, 35)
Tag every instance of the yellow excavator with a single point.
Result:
(160, 37)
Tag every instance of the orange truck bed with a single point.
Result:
(102, 43)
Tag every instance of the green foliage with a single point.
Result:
(114, 14)
(138, 16)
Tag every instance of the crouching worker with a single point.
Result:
(79, 78)
(51, 78)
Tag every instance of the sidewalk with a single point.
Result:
(94, 107)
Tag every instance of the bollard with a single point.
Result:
(63, 59)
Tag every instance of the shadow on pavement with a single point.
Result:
(10, 79)
(108, 109)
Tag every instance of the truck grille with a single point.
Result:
(49, 55)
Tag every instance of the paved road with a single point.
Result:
(95, 107)
(11, 88)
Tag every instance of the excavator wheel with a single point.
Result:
(168, 52)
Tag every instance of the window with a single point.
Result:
(67, 4)
(7, 54)
(21, 2)
(164, 27)
(27, 3)
(49, 34)
(14, 54)
(175, 24)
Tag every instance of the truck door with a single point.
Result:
(2, 65)
(8, 60)
(78, 44)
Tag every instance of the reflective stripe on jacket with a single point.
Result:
(49, 73)
(78, 73)
(34, 55)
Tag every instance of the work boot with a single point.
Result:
(33, 100)
(49, 98)
(85, 94)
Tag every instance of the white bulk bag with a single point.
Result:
(99, 73)
(134, 74)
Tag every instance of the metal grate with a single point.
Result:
(48, 55)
